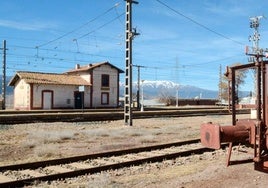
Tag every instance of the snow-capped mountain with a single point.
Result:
(153, 89)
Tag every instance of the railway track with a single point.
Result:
(103, 115)
(25, 174)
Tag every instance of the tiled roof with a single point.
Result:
(92, 66)
(48, 78)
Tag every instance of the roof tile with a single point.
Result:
(51, 78)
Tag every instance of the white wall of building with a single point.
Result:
(22, 95)
(97, 89)
(63, 95)
(86, 76)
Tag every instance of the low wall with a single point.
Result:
(183, 102)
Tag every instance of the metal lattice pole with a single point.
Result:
(220, 85)
(128, 70)
(138, 85)
(256, 51)
(4, 77)
(255, 23)
(259, 88)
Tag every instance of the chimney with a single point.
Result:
(77, 66)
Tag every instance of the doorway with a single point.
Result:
(78, 100)
(47, 99)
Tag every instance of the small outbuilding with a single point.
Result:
(91, 86)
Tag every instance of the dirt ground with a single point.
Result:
(39, 141)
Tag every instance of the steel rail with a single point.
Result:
(105, 116)
(10, 111)
(75, 173)
(91, 170)
(38, 164)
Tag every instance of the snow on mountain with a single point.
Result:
(153, 89)
(159, 84)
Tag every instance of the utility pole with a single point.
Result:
(256, 51)
(138, 83)
(177, 87)
(4, 76)
(142, 97)
(220, 84)
(130, 34)
(260, 89)
(254, 23)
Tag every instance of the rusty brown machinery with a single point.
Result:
(252, 131)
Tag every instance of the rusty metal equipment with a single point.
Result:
(252, 131)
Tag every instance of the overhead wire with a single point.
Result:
(62, 51)
(46, 60)
(103, 25)
(74, 30)
(37, 49)
(199, 24)
(100, 27)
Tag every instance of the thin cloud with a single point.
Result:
(235, 8)
(26, 26)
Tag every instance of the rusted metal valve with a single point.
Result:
(243, 132)
(212, 135)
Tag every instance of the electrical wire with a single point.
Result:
(117, 17)
(159, 73)
(74, 30)
(199, 24)
(62, 51)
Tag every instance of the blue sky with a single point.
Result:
(185, 42)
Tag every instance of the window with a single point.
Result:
(104, 98)
(105, 80)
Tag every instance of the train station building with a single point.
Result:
(90, 86)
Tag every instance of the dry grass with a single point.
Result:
(45, 137)
(100, 132)
(102, 180)
(115, 133)
(43, 142)
(147, 139)
(87, 137)
(30, 143)
(46, 151)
